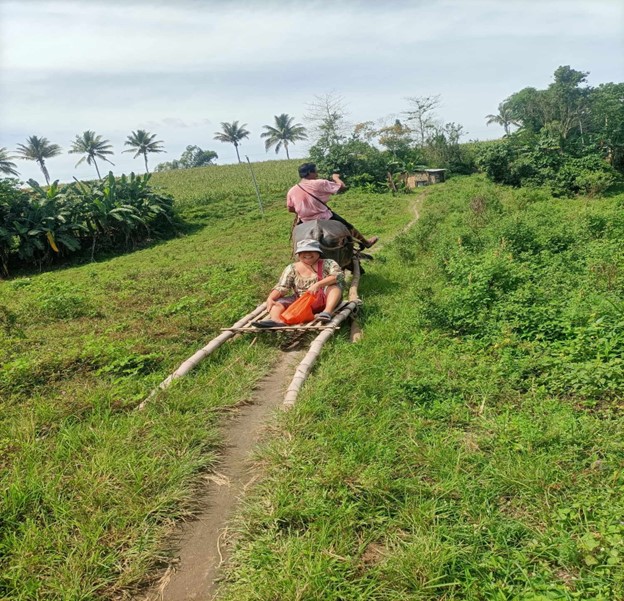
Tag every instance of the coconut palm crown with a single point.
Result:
(7, 166)
(92, 146)
(39, 149)
(504, 118)
(233, 134)
(142, 142)
(283, 132)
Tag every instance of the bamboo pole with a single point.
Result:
(356, 331)
(355, 280)
(201, 354)
(305, 366)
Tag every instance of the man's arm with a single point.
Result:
(290, 204)
(336, 178)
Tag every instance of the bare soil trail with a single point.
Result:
(202, 542)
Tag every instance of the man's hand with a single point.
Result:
(336, 178)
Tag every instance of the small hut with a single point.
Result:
(425, 177)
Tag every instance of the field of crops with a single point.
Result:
(89, 485)
(226, 190)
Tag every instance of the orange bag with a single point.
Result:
(300, 311)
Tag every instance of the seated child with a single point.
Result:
(311, 273)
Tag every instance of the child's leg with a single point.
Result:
(334, 296)
(276, 311)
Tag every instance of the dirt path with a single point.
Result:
(201, 544)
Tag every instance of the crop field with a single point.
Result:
(221, 191)
(89, 485)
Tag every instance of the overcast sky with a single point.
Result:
(180, 69)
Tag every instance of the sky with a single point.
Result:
(180, 69)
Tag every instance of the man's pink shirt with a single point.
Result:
(305, 205)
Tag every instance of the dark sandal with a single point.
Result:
(324, 316)
(268, 323)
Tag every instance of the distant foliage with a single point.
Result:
(378, 157)
(570, 137)
(193, 156)
(45, 224)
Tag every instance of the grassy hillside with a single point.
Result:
(89, 485)
(227, 190)
(470, 448)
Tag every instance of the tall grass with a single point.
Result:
(89, 486)
(470, 448)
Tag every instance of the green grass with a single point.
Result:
(222, 191)
(470, 447)
(89, 487)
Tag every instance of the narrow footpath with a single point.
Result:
(202, 543)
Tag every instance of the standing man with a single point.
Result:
(309, 198)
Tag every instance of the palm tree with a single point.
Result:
(6, 165)
(93, 147)
(283, 132)
(39, 149)
(143, 142)
(504, 117)
(232, 133)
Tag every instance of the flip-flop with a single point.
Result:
(324, 316)
(267, 323)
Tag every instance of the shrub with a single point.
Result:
(45, 224)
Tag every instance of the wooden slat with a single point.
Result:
(302, 327)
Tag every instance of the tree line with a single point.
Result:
(39, 149)
(569, 136)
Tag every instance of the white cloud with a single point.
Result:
(180, 69)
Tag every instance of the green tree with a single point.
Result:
(38, 150)
(232, 133)
(568, 103)
(504, 117)
(194, 156)
(142, 142)
(92, 146)
(7, 166)
(607, 122)
(283, 132)
(560, 111)
(529, 109)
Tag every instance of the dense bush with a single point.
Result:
(570, 138)
(44, 224)
(536, 281)
(515, 163)
(360, 163)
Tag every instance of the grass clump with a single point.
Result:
(470, 447)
